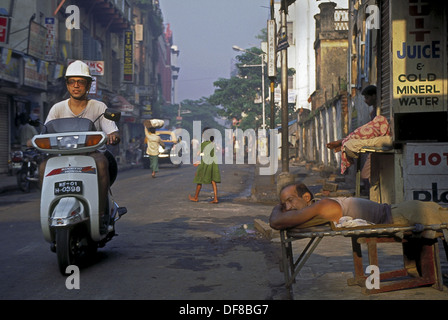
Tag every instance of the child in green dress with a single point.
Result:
(207, 171)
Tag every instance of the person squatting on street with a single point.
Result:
(208, 170)
(375, 133)
(298, 208)
(153, 142)
(78, 82)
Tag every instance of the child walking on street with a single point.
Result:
(208, 170)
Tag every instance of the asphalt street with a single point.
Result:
(168, 247)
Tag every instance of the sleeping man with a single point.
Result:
(297, 208)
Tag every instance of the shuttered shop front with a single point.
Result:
(4, 134)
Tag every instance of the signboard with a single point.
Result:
(51, 39)
(272, 54)
(425, 172)
(138, 32)
(128, 64)
(292, 95)
(9, 66)
(4, 26)
(35, 73)
(37, 40)
(419, 81)
(283, 42)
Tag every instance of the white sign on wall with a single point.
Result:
(418, 51)
(425, 172)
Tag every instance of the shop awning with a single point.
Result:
(120, 103)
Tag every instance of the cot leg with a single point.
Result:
(373, 251)
(286, 261)
(357, 262)
(445, 242)
(360, 277)
(422, 268)
(292, 267)
(305, 255)
(437, 268)
(429, 263)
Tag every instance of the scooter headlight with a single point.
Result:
(68, 142)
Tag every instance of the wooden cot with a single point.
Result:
(420, 254)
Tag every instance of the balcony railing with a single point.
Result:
(115, 15)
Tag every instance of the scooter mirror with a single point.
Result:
(113, 115)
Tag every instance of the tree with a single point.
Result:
(193, 110)
(236, 95)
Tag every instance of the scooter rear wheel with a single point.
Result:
(22, 181)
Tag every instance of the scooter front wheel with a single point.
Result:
(67, 247)
(74, 247)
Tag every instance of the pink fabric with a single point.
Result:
(378, 127)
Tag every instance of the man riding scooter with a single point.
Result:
(78, 81)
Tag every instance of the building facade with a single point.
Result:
(327, 118)
(401, 47)
(301, 37)
(119, 39)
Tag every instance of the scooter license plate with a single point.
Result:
(67, 187)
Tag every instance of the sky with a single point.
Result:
(205, 31)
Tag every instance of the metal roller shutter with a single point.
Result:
(385, 64)
(4, 134)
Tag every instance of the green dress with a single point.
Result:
(206, 173)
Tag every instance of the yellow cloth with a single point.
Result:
(407, 213)
(414, 211)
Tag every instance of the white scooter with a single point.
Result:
(69, 213)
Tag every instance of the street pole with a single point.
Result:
(272, 104)
(274, 74)
(284, 67)
(262, 92)
(284, 178)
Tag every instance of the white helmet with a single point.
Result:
(78, 69)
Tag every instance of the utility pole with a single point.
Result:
(284, 177)
(284, 68)
(272, 63)
(272, 74)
